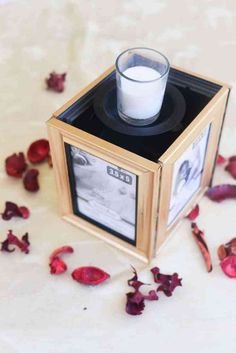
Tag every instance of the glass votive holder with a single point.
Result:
(141, 76)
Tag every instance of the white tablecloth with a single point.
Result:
(41, 313)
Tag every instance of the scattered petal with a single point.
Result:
(30, 180)
(168, 283)
(231, 168)
(38, 151)
(135, 303)
(55, 82)
(199, 238)
(232, 159)
(12, 210)
(220, 159)
(227, 249)
(221, 252)
(57, 265)
(228, 265)
(12, 239)
(89, 275)
(25, 213)
(15, 165)
(221, 192)
(194, 213)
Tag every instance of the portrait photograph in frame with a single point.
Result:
(187, 174)
(103, 193)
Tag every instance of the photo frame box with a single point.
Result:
(133, 191)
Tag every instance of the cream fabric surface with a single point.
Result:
(44, 314)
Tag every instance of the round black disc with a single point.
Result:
(172, 111)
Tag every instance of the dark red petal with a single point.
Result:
(231, 246)
(220, 159)
(56, 81)
(38, 151)
(152, 295)
(135, 303)
(15, 165)
(231, 168)
(199, 238)
(159, 277)
(134, 282)
(57, 266)
(12, 239)
(168, 283)
(194, 213)
(221, 251)
(228, 265)
(221, 192)
(25, 213)
(89, 275)
(11, 210)
(66, 249)
(30, 180)
(232, 159)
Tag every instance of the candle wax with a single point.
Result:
(141, 100)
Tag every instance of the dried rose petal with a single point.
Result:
(12, 210)
(89, 275)
(135, 303)
(231, 168)
(15, 165)
(38, 151)
(227, 249)
(221, 192)
(25, 213)
(221, 252)
(220, 159)
(12, 239)
(228, 265)
(194, 213)
(30, 180)
(56, 264)
(199, 238)
(55, 82)
(168, 283)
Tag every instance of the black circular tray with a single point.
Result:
(172, 111)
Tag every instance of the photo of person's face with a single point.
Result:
(187, 174)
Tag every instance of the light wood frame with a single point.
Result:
(148, 174)
(213, 115)
(155, 179)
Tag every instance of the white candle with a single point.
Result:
(141, 100)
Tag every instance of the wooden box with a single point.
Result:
(132, 191)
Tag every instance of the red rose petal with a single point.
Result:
(15, 165)
(221, 252)
(55, 82)
(231, 168)
(89, 275)
(30, 180)
(12, 239)
(194, 213)
(38, 151)
(168, 283)
(25, 213)
(199, 238)
(228, 265)
(232, 159)
(221, 192)
(220, 159)
(135, 303)
(56, 264)
(12, 210)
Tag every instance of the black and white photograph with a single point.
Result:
(105, 193)
(187, 174)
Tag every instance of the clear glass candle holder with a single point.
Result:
(141, 76)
